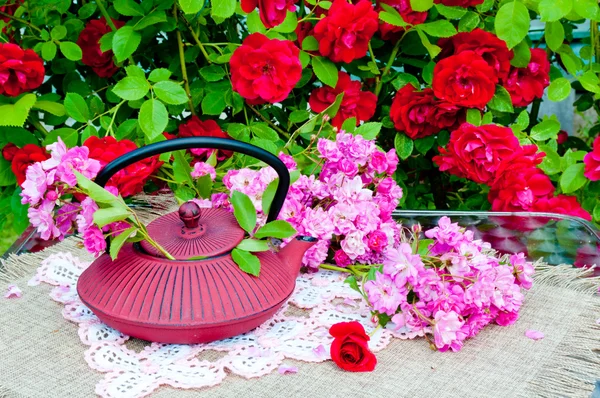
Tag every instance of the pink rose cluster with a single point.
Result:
(453, 292)
(46, 186)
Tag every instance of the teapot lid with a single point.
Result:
(194, 232)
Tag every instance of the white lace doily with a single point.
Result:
(323, 296)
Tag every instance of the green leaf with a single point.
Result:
(58, 32)
(333, 109)
(501, 101)
(135, 71)
(212, 73)
(191, 6)
(104, 217)
(7, 177)
(369, 130)
(572, 178)
(468, 22)
(474, 117)
(262, 130)
(551, 163)
(485, 6)
(48, 51)
(222, 8)
(403, 79)
(451, 12)
(439, 28)
(522, 55)
(587, 9)
(213, 103)
(153, 118)
(124, 43)
(325, 70)
(589, 80)
(351, 280)
(512, 23)
(553, 10)
(523, 120)
(51, 107)
(421, 5)
(275, 229)
(170, 93)
(404, 145)
(423, 248)
(254, 23)
(349, 125)
(427, 73)
(391, 16)
(310, 44)
(19, 211)
(76, 107)
(289, 24)
(243, 210)
(70, 50)
(16, 114)
(559, 89)
(554, 34)
(129, 8)
(181, 168)
(546, 129)
(68, 135)
(423, 145)
(247, 262)
(431, 48)
(106, 41)
(98, 193)
(298, 116)
(268, 195)
(117, 242)
(253, 245)
(158, 75)
(126, 128)
(132, 88)
(204, 186)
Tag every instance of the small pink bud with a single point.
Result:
(51, 196)
(326, 118)
(416, 228)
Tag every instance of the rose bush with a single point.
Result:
(445, 84)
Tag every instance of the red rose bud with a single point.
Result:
(526, 84)
(130, 180)
(101, 62)
(20, 70)
(265, 70)
(272, 12)
(207, 128)
(9, 151)
(464, 79)
(344, 34)
(562, 137)
(391, 32)
(350, 348)
(355, 103)
(459, 3)
(25, 157)
(592, 162)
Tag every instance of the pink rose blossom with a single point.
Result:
(316, 255)
(523, 270)
(354, 245)
(288, 160)
(448, 331)
(392, 160)
(35, 185)
(377, 241)
(383, 294)
(43, 219)
(401, 264)
(342, 217)
(379, 162)
(341, 258)
(57, 151)
(202, 169)
(316, 223)
(65, 217)
(349, 168)
(93, 240)
(85, 218)
(77, 159)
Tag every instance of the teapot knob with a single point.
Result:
(189, 213)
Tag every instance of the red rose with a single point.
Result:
(131, 179)
(390, 32)
(344, 34)
(418, 114)
(9, 151)
(562, 204)
(272, 12)
(24, 157)
(207, 128)
(527, 84)
(356, 103)
(459, 3)
(350, 350)
(476, 152)
(265, 70)
(592, 162)
(100, 62)
(20, 70)
(464, 79)
(493, 50)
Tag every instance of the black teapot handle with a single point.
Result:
(205, 142)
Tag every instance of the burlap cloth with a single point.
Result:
(41, 354)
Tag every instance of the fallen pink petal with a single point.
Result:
(534, 334)
(286, 369)
(13, 292)
(320, 351)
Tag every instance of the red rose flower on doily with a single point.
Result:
(592, 162)
(350, 348)
(24, 157)
(464, 79)
(487, 45)
(390, 32)
(9, 151)
(356, 103)
(101, 62)
(526, 84)
(20, 70)
(131, 179)
(265, 70)
(418, 114)
(561, 204)
(475, 152)
(344, 34)
(272, 12)
(460, 3)
(204, 128)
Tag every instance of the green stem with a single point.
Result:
(24, 22)
(112, 120)
(535, 110)
(389, 64)
(38, 126)
(196, 38)
(110, 23)
(186, 83)
(334, 268)
(270, 123)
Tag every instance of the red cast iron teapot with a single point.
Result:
(147, 296)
